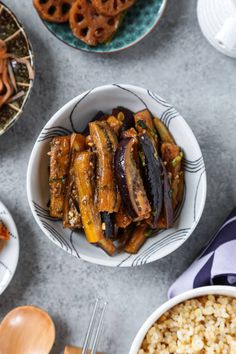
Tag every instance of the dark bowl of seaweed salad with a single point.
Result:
(16, 68)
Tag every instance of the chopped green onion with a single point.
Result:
(142, 124)
(177, 160)
(142, 158)
(148, 233)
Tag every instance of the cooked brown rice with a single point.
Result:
(202, 325)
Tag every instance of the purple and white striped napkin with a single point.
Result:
(216, 265)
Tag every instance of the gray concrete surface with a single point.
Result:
(177, 62)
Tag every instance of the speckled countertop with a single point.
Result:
(179, 64)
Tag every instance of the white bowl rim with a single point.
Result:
(112, 262)
(225, 290)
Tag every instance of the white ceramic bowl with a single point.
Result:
(9, 255)
(206, 290)
(74, 116)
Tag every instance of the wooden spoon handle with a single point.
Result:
(75, 350)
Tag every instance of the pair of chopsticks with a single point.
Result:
(94, 328)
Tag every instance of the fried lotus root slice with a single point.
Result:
(54, 10)
(112, 7)
(89, 26)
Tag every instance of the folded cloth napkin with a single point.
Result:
(216, 265)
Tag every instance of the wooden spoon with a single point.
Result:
(27, 330)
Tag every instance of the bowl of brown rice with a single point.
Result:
(198, 321)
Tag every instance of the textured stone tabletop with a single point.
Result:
(178, 63)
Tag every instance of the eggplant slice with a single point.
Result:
(105, 142)
(59, 169)
(108, 225)
(152, 176)
(99, 116)
(129, 181)
(172, 157)
(137, 238)
(71, 214)
(163, 132)
(122, 218)
(126, 116)
(84, 169)
(167, 201)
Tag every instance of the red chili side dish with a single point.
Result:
(4, 233)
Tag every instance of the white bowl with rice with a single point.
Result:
(201, 320)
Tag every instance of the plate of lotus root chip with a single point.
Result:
(100, 26)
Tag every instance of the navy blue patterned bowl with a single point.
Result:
(138, 22)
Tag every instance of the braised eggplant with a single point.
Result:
(143, 120)
(163, 132)
(130, 133)
(115, 124)
(137, 239)
(108, 225)
(99, 116)
(122, 218)
(71, 215)
(107, 245)
(167, 201)
(152, 176)
(124, 235)
(144, 125)
(125, 116)
(119, 180)
(129, 181)
(84, 170)
(106, 143)
(172, 157)
(59, 168)
(177, 189)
